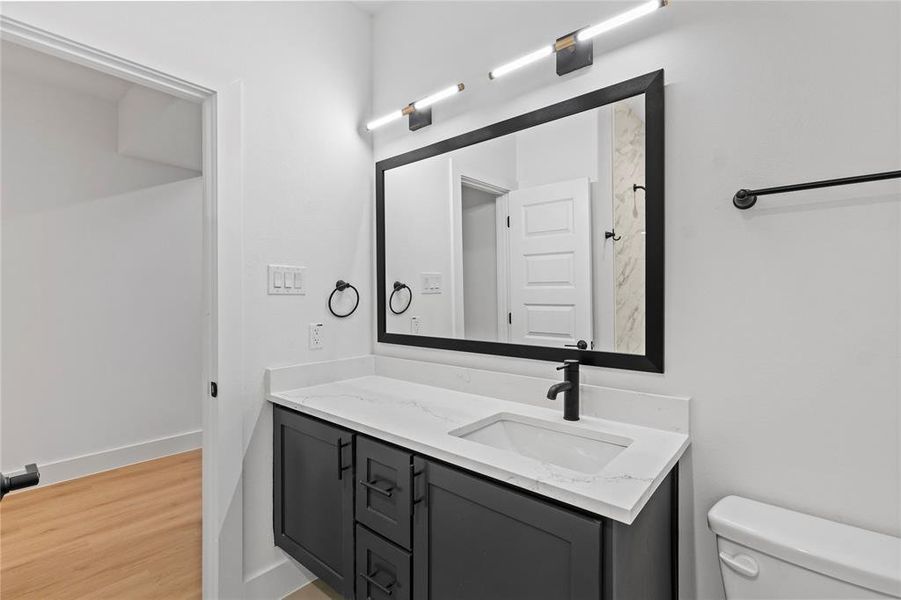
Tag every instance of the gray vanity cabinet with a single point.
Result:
(478, 540)
(379, 522)
(313, 496)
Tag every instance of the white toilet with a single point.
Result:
(773, 553)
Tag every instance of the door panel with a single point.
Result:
(477, 540)
(313, 499)
(550, 264)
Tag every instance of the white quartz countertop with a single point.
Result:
(420, 417)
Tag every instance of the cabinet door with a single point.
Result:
(313, 496)
(478, 540)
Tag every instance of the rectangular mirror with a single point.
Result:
(536, 237)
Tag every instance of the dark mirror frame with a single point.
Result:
(651, 85)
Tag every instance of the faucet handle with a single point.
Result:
(568, 363)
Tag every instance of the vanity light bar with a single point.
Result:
(438, 96)
(568, 42)
(376, 123)
(521, 62)
(411, 109)
(621, 19)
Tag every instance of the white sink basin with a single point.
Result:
(559, 444)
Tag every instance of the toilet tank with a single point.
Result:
(772, 553)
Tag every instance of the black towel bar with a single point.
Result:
(745, 199)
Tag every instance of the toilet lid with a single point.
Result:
(859, 556)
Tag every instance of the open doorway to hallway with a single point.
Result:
(102, 330)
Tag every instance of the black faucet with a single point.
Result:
(570, 389)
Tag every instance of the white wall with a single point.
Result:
(423, 233)
(419, 240)
(782, 322)
(307, 178)
(101, 265)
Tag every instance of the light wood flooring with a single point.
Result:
(129, 533)
(314, 591)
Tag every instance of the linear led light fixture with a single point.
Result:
(419, 112)
(575, 50)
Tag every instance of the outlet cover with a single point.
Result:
(315, 335)
(415, 325)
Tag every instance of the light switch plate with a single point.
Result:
(415, 325)
(431, 283)
(287, 280)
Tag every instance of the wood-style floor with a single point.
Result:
(129, 533)
(314, 591)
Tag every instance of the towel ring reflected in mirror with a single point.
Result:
(398, 286)
(340, 286)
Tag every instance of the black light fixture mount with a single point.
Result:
(417, 119)
(572, 54)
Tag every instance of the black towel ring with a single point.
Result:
(398, 286)
(340, 286)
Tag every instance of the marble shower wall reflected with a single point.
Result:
(629, 223)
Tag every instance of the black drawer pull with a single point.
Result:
(341, 467)
(415, 475)
(370, 578)
(372, 486)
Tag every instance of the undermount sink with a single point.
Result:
(559, 444)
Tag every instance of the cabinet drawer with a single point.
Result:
(384, 490)
(383, 569)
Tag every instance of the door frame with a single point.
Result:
(218, 581)
(459, 176)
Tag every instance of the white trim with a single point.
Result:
(16, 31)
(461, 176)
(223, 231)
(277, 580)
(502, 213)
(114, 458)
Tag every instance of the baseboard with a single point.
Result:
(276, 581)
(88, 464)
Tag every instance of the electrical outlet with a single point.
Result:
(315, 335)
(415, 325)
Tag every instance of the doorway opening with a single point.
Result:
(109, 314)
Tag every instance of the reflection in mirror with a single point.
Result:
(536, 237)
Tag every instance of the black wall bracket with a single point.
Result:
(420, 118)
(572, 54)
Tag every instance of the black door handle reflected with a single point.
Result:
(581, 345)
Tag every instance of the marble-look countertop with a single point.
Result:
(420, 417)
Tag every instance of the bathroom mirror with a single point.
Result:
(538, 237)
